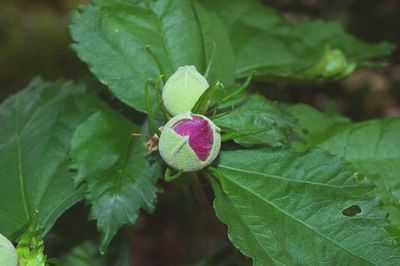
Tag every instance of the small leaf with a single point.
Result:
(158, 63)
(120, 178)
(286, 208)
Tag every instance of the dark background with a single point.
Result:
(34, 41)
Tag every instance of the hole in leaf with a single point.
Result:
(351, 211)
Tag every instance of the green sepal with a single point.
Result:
(150, 116)
(203, 102)
(159, 98)
(157, 62)
(168, 177)
(240, 89)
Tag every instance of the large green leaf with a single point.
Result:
(256, 112)
(312, 51)
(111, 36)
(114, 165)
(372, 146)
(36, 127)
(289, 208)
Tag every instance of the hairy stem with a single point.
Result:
(205, 204)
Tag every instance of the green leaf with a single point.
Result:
(112, 36)
(35, 132)
(289, 208)
(119, 176)
(372, 147)
(150, 116)
(260, 114)
(312, 51)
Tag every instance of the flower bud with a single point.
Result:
(189, 142)
(333, 65)
(183, 89)
(8, 254)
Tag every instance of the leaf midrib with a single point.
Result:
(252, 235)
(294, 218)
(287, 179)
(202, 35)
(123, 163)
(161, 32)
(19, 155)
(11, 215)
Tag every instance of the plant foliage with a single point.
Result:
(36, 128)
(294, 186)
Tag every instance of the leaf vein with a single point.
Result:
(296, 219)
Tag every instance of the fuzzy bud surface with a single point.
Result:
(183, 89)
(189, 142)
(8, 254)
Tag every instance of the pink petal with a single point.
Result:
(200, 135)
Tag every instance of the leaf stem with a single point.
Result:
(199, 192)
(205, 204)
(152, 123)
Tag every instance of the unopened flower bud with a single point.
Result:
(8, 254)
(189, 142)
(183, 89)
